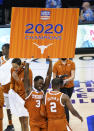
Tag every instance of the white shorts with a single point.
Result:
(17, 104)
(6, 101)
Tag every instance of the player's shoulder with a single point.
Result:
(54, 93)
(65, 96)
(35, 91)
(29, 96)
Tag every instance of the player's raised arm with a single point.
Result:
(48, 76)
(66, 101)
(27, 79)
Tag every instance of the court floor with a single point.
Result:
(83, 96)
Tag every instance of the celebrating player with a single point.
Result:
(34, 99)
(17, 84)
(55, 112)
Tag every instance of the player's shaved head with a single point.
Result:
(37, 78)
(56, 83)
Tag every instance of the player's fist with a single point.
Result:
(81, 118)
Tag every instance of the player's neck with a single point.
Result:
(7, 57)
(37, 89)
(55, 90)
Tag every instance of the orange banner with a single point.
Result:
(43, 32)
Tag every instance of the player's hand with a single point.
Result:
(81, 118)
(65, 82)
(15, 76)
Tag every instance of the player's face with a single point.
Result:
(15, 67)
(39, 84)
(84, 6)
(4, 51)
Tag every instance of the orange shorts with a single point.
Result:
(58, 125)
(35, 128)
(38, 126)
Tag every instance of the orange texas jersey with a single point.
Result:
(54, 107)
(33, 103)
(18, 87)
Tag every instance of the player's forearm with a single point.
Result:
(27, 92)
(48, 77)
(27, 87)
(76, 114)
(43, 110)
(69, 79)
(49, 72)
(27, 80)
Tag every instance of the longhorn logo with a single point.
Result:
(42, 47)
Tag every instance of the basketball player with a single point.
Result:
(3, 60)
(64, 66)
(54, 104)
(17, 84)
(34, 99)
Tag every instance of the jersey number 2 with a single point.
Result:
(53, 107)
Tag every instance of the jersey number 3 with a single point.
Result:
(37, 103)
(53, 107)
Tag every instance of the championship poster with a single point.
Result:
(43, 32)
